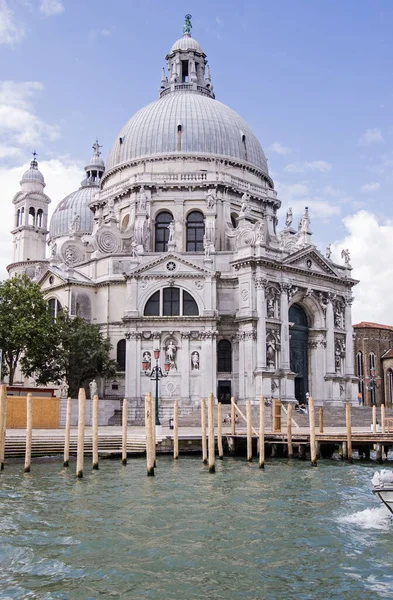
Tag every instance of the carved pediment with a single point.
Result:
(56, 277)
(312, 261)
(170, 265)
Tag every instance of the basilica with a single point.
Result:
(174, 245)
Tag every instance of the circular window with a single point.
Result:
(171, 266)
(309, 264)
(51, 279)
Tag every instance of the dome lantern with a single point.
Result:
(186, 63)
(33, 175)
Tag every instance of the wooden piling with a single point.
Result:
(374, 419)
(378, 453)
(124, 432)
(176, 430)
(383, 428)
(29, 430)
(289, 431)
(233, 416)
(212, 467)
(3, 423)
(321, 420)
(276, 414)
(219, 432)
(81, 433)
(249, 431)
(349, 431)
(311, 414)
(67, 433)
(149, 435)
(94, 427)
(261, 432)
(203, 425)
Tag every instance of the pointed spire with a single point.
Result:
(208, 75)
(34, 163)
(163, 79)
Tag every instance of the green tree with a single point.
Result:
(75, 351)
(24, 321)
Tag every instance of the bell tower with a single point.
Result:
(30, 216)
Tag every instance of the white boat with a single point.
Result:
(383, 487)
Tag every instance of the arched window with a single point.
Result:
(121, 355)
(162, 232)
(31, 216)
(390, 385)
(171, 302)
(360, 374)
(224, 356)
(195, 231)
(40, 215)
(372, 361)
(54, 307)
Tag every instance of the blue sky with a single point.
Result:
(312, 78)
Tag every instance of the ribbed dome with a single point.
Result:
(186, 43)
(208, 127)
(33, 174)
(76, 203)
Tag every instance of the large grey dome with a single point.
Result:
(208, 127)
(76, 203)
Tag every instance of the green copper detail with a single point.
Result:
(187, 24)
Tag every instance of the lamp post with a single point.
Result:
(156, 374)
(372, 382)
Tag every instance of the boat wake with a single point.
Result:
(370, 518)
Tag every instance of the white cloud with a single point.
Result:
(94, 34)
(61, 176)
(280, 149)
(298, 195)
(219, 21)
(316, 165)
(10, 32)
(370, 187)
(371, 136)
(371, 245)
(51, 8)
(19, 126)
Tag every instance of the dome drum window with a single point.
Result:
(195, 232)
(171, 302)
(162, 232)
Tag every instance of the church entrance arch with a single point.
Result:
(298, 351)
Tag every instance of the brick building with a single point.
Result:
(374, 362)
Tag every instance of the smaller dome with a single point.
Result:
(76, 203)
(33, 174)
(186, 43)
(95, 161)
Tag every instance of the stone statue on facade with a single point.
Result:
(146, 357)
(170, 352)
(93, 388)
(210, 198)
(74, 225)
(288, 218)
(328, 251)
(270, 307)
(187, 24)
(346, 257)
(195, 361)
(53, 249)
(245, 205)
(171, 229)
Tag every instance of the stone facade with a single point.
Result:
(374, 362)
(184, 254)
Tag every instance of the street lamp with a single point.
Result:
(155, 374)
(372, 383)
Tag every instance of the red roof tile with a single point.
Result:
(368, 325)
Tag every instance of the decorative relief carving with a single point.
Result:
(133, 335)
(72, 253)
(107, 241)
(199, 284)
(195, 361)
(272, 348)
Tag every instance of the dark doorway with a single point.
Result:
(224, 392)
(298, 351)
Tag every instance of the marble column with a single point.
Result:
(285, 355)
(330, 362)
(261, 324)
(185, 391)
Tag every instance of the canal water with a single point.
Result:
(290, 531)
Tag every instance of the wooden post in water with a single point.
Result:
(311, 414)
(81, 433)
(261, 432)
(29, 430)
(374, 419)
(249, 431)
(219, 431)
(349, 431)
(149, 435)
(203, 425)
(176, 430)
(289, 431)
(212, 467)
(67, 433)
(3, 423)
(321, 420)
(382, 428)
(124, 431)
(233, 416)
(94, 427)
